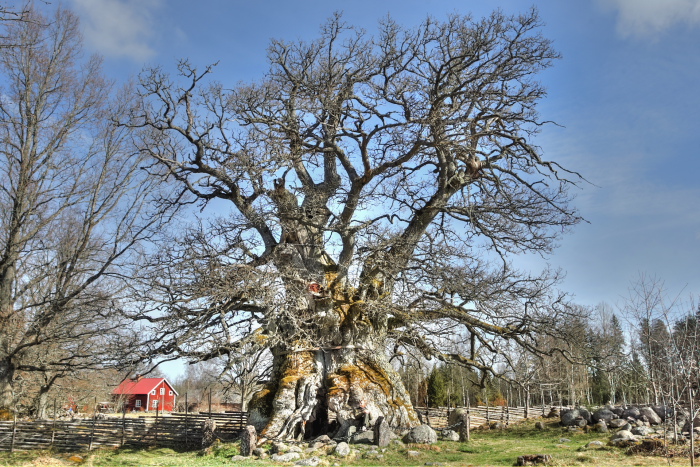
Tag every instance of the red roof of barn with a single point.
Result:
(141, 386)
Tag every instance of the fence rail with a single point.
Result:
(184, 430)
(176, 430)
(437, 417)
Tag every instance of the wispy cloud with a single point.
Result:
(119, 28)
(649, 18)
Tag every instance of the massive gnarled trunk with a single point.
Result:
(333, 375)
(327, 390)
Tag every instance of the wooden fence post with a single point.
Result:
(155, 426)
(53, 425)
(94, 420)
(488, 416)
(469, 418)
(14, 432)
(123, 425)
(186, 410)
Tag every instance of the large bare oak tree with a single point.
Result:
(377, 188)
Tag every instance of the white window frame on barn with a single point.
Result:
(162, 391)
(170, 393)
(155, 403)
(153, 393)
(138, 403)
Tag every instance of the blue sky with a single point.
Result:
(626, 95)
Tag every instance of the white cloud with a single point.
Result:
(649, 18)
(119, 28)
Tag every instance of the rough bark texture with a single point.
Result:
(329, 390)
(6, 395)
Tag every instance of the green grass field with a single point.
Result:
(487, 448)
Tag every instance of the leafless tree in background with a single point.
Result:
(377, 188)
(75, 206)
(244, 373)
(668, 329)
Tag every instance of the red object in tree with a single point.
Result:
(146, 394)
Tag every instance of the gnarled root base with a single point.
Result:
(327, 391)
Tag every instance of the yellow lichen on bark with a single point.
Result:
(360, 376)
(297, 365)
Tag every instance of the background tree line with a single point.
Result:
(643, 351)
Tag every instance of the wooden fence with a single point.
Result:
(438, 417)
(184, 430)
(176, 430)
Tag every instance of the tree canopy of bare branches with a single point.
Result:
(377, 188)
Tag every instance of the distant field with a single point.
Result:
(487, 448)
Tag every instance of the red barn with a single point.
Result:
(144, 394)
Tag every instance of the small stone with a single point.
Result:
(258, 452)
(617, 423)
(322, 439)
(564, 440)
(642, 430)
(540, 425)
(622, 434)
(450, 435)
(311, 462)
(600, 427)
(422, 434)
(412, 453)
(363, 437)
(278, 448)
(316, 445)
(286, 457)
(534, 459)
(239, 458)
(342, 449)
(595, 444)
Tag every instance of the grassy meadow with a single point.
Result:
(487, 448)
